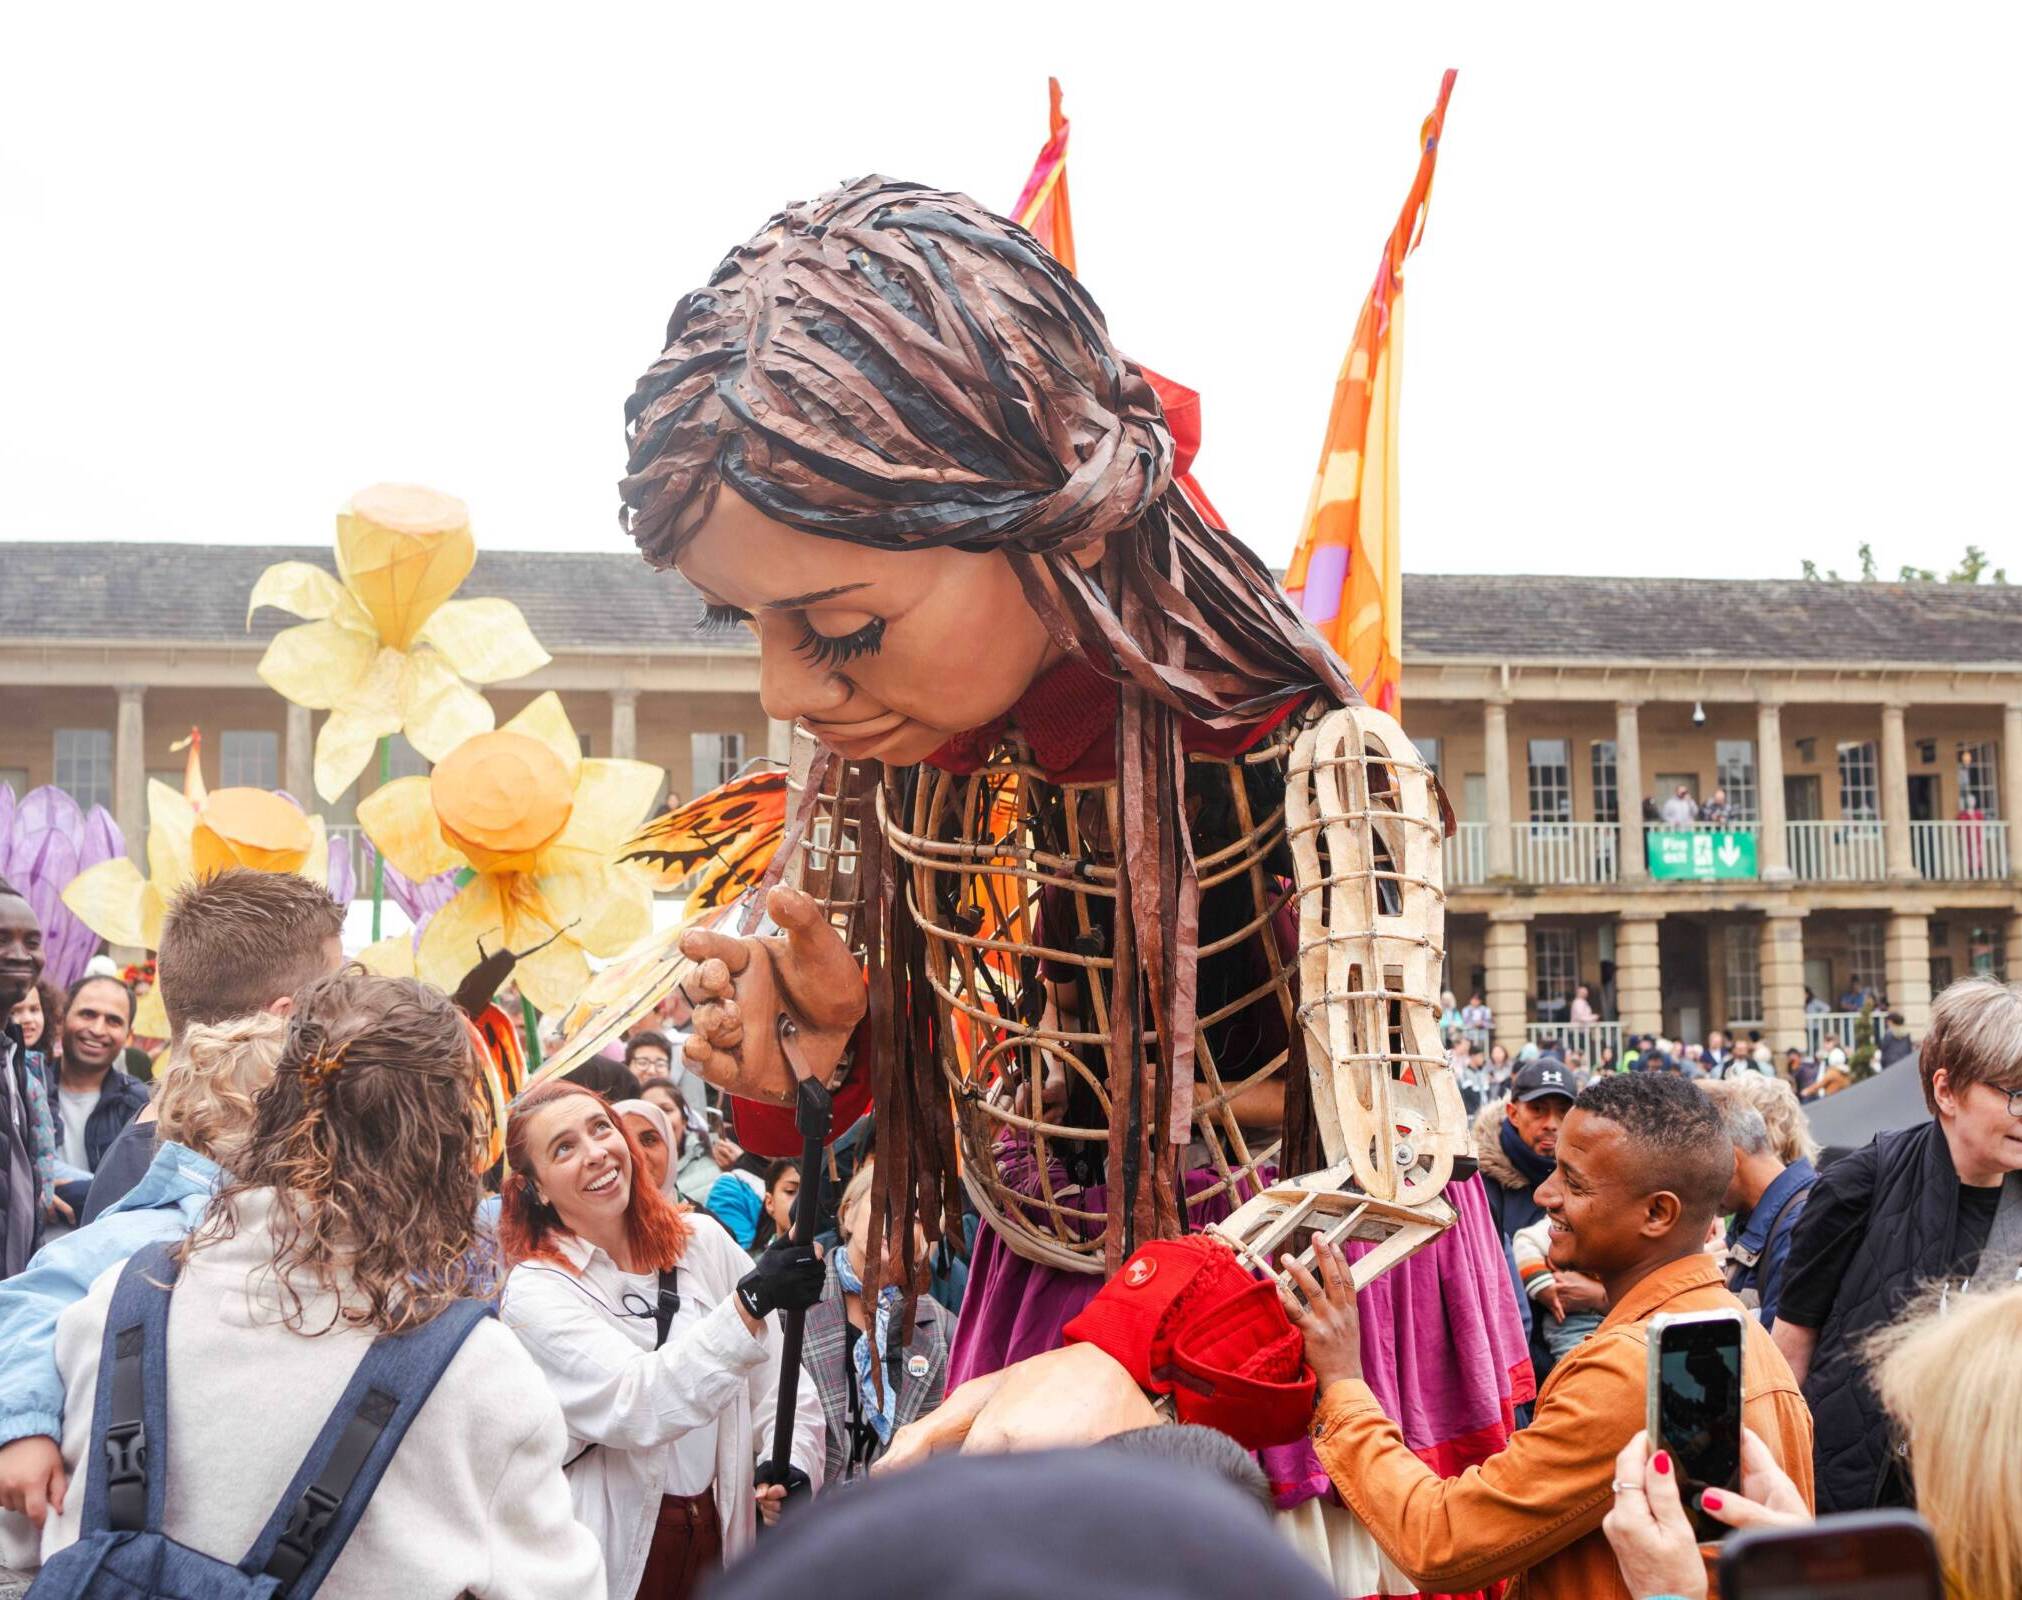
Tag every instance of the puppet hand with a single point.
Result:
(742, 988)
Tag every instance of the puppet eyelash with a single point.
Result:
(716, 618)
(833, 651)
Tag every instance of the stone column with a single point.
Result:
(1772, 841)
(1506, 958)
(1629, 789)
(1783, 978)
(298, 757)
(624, 724)
(779, 741)
(1495, 774)
(2011, 784)
(1907, 950)
(129, 772)
(1896, 860)
(1639, 985)
(2012, 949)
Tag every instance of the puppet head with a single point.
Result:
(920, 386)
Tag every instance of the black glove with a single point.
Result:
(798, 1486)
(788, 1277)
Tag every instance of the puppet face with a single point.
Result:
(884, 655)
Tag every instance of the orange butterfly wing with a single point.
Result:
(724, 839)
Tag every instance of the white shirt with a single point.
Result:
(76, 1106)
(474, 1499)
(636, 1403)
(694, 1465)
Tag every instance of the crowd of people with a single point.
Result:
(596, 1327)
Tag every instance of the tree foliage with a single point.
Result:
(1975, 566)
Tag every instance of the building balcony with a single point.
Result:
(1593, 1040)
(1583, 854)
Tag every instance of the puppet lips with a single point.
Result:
(851, 738)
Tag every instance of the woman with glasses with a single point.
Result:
(1937, 1204)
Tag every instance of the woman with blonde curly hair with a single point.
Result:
(347, 1220)
(205, 1105)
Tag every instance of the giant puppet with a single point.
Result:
(1129, 916)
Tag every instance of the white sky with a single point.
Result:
(1705, 290)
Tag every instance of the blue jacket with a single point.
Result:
(166, 1205)
(1755, 1256)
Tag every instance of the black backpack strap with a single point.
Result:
(670, 1302)
(308, 1529)
(129, 1417)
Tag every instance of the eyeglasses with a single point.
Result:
(2014, 1101)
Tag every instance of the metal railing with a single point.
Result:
(1566, 852)
(1466, 859)
(1835, 852)
(1592, 1039)
(1840, 1025)
(1960, 852)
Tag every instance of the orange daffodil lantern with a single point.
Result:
(539, 828)
(191, 837)
(385, 649)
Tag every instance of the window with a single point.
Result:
(1744, 972)
(1555, 954)
(84, 765)
(1428, 752)
(1551, 780)
(1607, 794)
(714, 758)
(1980, 778)
(406, 761)
(1867, 952)
(249, 759)
(1988, 951)
(1859, 789)
(1734, 771)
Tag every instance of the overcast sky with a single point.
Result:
(1705, 290)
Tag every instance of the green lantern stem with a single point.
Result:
(378, 857)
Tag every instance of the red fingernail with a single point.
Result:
(1662, 1462)
(1710, 1500)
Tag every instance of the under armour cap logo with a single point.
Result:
(1553, 1075)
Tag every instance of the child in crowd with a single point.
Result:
(1562, 1329)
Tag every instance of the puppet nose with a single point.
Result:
(789, 685)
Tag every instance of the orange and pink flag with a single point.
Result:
(1042, 204)
(1345, 574)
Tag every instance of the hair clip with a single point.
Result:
(317, 1069)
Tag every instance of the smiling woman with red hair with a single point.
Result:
(657, 1336)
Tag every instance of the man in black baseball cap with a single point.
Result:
(1516, 1144)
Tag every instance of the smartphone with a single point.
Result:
(1863, 1555)
(1695, 1405)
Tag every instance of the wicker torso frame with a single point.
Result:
(1326, 934)
(1012, 879)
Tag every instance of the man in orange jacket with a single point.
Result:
(1643, 1161)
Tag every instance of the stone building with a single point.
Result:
(1868, 737)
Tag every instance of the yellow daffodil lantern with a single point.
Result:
(385, 649)
(539, 829)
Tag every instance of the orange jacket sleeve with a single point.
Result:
(1550, 1486)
